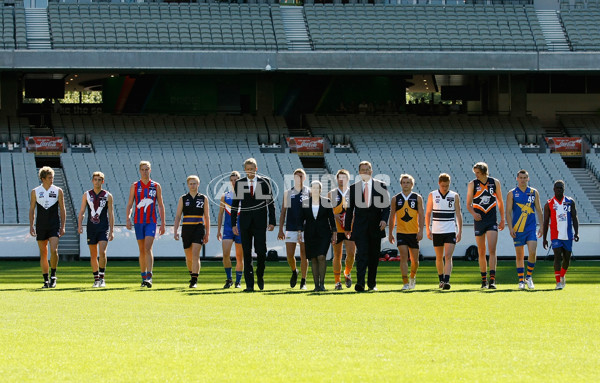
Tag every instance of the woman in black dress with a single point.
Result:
(318, 222)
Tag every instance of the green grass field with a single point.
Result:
(170, 333)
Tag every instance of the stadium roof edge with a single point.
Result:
(320, 61)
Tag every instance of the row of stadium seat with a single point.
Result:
(18, 176)
(12, 33)
(582, 125)
(421, 146)
(144, 25)
(450, 145)
(266, 129)
(414, 27)
(170, 170)
(578, 4)
(582, 27)
(593, 163)
(226, 26)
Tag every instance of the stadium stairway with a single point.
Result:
(553, 30)
(38, 28)
(294, 25)
(315, 170)
(589, 184)
(69, 243)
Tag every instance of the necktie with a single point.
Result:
(252, 188)
(366, 194)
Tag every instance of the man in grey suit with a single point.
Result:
(366, 219)
(253, 197)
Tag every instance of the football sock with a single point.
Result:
(194, 277)
(347, 270)
(413, 269)
(101, 271)
(149, 275)
(96, 276)
(563, 271)
(52, 273)
(492, 275)
(441, 277)
(337, 277)
(530, 267)
(484, 277)
(446, 278)
(190, 271)
(557, 275)
(144, 275)
(228, 273)
(405, 279)
(45, 277)
(238, 276)
(302, 281)
(520, 271)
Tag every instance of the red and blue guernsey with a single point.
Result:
(145, 202)
(561, 226)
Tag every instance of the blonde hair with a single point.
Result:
(482, 167)
(444, 177)
(192, 177)
(142, 163)
(403, 176)
(301, 171)
(45, 172)
(98, 174)
(235, 173)
(250, 161)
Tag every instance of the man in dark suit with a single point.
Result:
(253, 197)
(366, 217)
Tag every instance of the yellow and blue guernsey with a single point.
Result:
(523, 210)
(524, 224)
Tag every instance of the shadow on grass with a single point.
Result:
(222, 291)
(141, 289)
(93, 290)
(75, 289)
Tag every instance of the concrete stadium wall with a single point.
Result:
(16, 243)
(328, 61)
(546, 106)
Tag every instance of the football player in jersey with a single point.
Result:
(227, 238)
(445, 228)
(484, 193)
(100, 224)
(291, 208)
(522, 205)
(560, 215)
(339, 198)
(147, 196)
(407, 212)
(47, 211)
(195, 229)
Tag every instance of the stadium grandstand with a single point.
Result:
(414, 86)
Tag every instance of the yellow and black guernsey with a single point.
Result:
(407, 213)
(193, 209)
